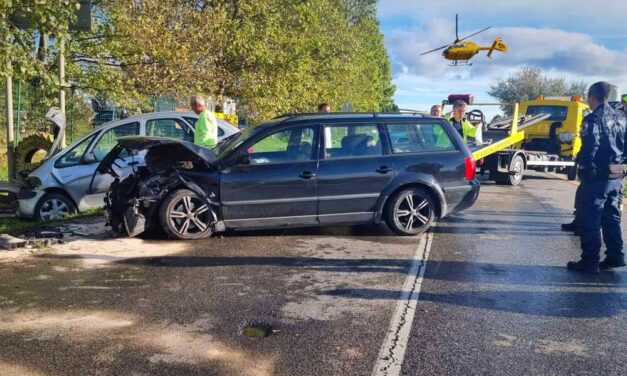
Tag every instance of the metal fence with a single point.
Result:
(34, 134)
(83, 112)
(29, 110)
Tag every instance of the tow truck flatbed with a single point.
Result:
(503, 158)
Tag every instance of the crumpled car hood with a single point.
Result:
(186, 150)
(146, 142)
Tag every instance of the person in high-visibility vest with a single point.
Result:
(458, 119)
(206, 129)
(460, 123)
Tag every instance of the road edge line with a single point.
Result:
(392, 353)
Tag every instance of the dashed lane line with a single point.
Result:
(392, 353)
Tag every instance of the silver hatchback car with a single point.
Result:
(61, 184)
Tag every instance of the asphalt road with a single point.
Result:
(485, 293)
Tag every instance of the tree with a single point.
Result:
(528, 83)
(18, 45)
(274, 56)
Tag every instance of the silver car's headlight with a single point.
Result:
(566, 137)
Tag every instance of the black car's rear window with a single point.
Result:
(422, 137)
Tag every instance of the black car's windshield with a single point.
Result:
(227, 145)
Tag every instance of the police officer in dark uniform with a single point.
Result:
(600, 161)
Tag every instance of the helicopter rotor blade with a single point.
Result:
(436, 49)
(472, 35)
(456, 28)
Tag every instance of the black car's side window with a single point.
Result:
(290, 145)
(351, 140)
(414, 138)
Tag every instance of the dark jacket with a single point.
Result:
(602, 139)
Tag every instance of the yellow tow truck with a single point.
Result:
(542, 134)
(558, 134)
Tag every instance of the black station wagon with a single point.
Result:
(297, 170)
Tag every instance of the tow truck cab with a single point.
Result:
(559, 134)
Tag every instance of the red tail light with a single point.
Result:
(471, 168)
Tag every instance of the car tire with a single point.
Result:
(410, 211)
(53, 206)
(514, 177)
(571, 172)
(184, 215)
(28, 148)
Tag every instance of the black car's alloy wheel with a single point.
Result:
(185, 215)
(410, 212)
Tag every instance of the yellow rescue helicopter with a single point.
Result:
(460, 52)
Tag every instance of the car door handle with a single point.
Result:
(307, 175)
(383, 169)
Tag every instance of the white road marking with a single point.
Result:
(394, 346)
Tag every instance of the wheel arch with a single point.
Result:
(62, 192)
(436, 194)
(52, 190)
(522, 154)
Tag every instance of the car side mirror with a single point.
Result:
(89, 158)
(242, 159)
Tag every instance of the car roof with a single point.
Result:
(347, 116)
(290, 119)
(149, 115)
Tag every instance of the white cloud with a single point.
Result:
(430, 78)
(550, 49)
(567, 39)
(554, 49)
(605, 18)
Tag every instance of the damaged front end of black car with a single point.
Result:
(174, 191)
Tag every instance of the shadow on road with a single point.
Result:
(318, 263)
(514, 230)
(359, 230)
(538, 303)
(503, 213)
(453, 271)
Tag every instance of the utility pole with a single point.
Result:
(9, 124)
(62, 84)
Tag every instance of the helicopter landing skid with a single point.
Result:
(460, 64)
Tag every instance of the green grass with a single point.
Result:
(15, 226)
(4, 171)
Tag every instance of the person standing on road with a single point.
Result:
(324, 107)
(459, 122)
(572, 226)
(600, 161)
(206, 129)
(436, 110)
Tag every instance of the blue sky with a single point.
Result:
(578, 40)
